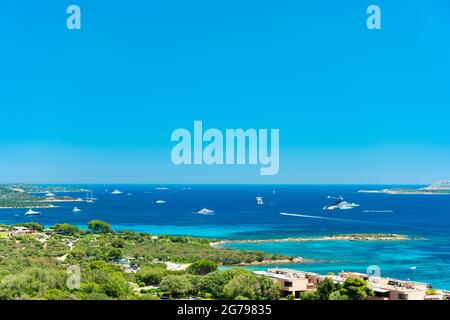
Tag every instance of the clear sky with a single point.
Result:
(98, 105)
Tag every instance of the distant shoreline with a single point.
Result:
(405, 192)
(343, 237)
(49, 206)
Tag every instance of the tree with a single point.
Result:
(337, 295)
(101, 265)
(213, 283)
(66, 229)
(176, 285)
(202, 267)
(99, 226)
(325, 288)
(150, 275)
(309, 295)
(116, 287)
(34, 226)
(270, 289)
(356, 289)
(245, 285)
(118, 243)
(113, 254)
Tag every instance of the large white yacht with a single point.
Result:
(31, 212)
(205, 211)
(340, 204)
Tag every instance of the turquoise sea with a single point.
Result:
(237, 216)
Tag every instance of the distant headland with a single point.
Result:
(441, 187)
(16, 196)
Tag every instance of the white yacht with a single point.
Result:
(116, 192)
(76, 210)
(205, 211)
(160, 201)
(340, 204)
(32, 213)
(49, 194)
(259, 200)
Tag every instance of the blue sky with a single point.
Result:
(98, 105)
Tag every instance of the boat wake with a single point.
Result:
(318, 217)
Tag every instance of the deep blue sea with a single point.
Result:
(237, 216)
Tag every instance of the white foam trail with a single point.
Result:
(325, 218)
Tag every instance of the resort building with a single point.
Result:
(294, 282)
(392, 289)
(19, 230)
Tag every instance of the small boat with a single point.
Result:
(49, 194)
(205, 211)
(32, 213)
(76, 210)
(116, 192)
(413, 268)
(162, 188)
(160, 201)
(340, 204)
(259, 200)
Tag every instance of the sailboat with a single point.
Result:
(32, 213)
(76, 210)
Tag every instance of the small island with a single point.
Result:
(337, 237)
(438, 188)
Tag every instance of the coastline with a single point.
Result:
(405, 192)
(295, 260)
(344, 237)
(49, 206)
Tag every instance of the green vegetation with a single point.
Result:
(122, 265)
(431, 292)
(66, 229)
(99, 226)
(350, 289)
(202, 267)
(33, 188)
